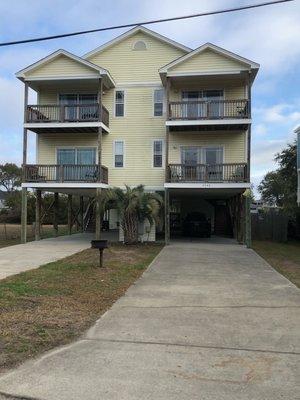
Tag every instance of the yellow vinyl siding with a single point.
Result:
(208, 60)
(232, 142)
(234, 87)
(47, 144)
(50, 94)
(127, 65)
(61, 66)
(138, 128)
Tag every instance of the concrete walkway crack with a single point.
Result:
(212, 307)
(193, 346)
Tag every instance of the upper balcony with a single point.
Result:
(69, 91)
(208, 89)
(212, 110)
(69, 118)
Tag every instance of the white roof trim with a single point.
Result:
(132, 32)
(212, 47)
(206, 73)
(57, 53)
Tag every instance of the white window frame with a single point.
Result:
(162, 155)
(201, 149)
(114, 153)
(75, 148)
(115, 92)
(153, 103)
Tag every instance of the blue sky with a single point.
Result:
(269, 36)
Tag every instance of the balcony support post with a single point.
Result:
(24, 161)
(249, 129)
(100, 130)
(55, 213)
(98, 214)
(38, 207)
(167, 216)
(167, 129)
(24, 216)
(70, 214)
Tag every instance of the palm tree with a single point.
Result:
(134, 206)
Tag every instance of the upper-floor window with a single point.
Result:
(157, 153)
(119, 103)
(139, 46)
(119, 153)
(158, 102)
(79, 106)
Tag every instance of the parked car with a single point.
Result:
(196, 224)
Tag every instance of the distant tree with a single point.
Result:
(279, 187)
(10, 176)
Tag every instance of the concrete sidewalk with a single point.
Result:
(22, 257)
(206, 321)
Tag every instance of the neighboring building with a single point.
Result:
(297, 131)
(143, 109)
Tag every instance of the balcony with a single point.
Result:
(77, 117)
(205, 173)
(222, 113)
(66, 173)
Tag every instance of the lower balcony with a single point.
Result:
(66, 173)
(208, 173)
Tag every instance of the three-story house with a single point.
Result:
(143, 109)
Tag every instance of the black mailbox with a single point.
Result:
(101, 245)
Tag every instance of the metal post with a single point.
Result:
(81, 213)
(24, 216)
(55, 214)
(70, 214)
(101, 258)
(167, 217)
(248, 221)
(98, 215)
(38, 205)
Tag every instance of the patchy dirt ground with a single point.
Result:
(54, 304)
(10, 234)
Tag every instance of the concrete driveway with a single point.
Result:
(208, 320)
(22, 257)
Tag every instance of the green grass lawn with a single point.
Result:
(56, 303)
(284, 257)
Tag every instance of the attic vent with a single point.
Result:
(139, 46)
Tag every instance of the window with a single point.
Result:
(139, 46)
(119, 154)
(87, 110)
(76, 156)
(195, 104)
(158, 102)
(157, 153)
(119, 103)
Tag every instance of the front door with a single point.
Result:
(79, 164)
(190, 158)
(213, 158)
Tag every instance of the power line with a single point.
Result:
(155, 21)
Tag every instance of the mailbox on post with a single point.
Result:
(100, 245)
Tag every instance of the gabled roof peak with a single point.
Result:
(133, 31)
(213, 47)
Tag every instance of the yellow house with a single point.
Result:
(143, 109)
